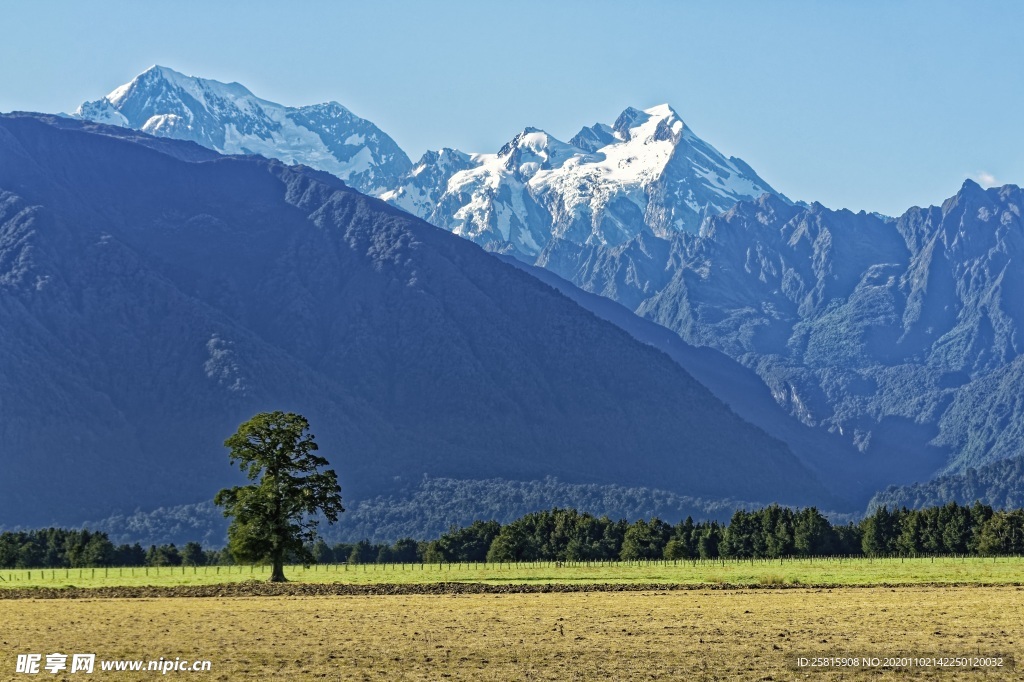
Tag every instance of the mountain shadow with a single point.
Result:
(153, 295)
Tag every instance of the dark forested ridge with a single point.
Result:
(154, 295)
(427, 509)
(434, 505)
(1000, 484)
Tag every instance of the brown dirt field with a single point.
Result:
(677, 635)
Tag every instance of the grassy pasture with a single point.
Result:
(692, 635)
(997, 571)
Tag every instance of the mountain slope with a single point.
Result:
(739, 387)
(226, 117)
(152, 300)
(999, 484)
(899, 335)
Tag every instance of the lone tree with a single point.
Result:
(276, 516)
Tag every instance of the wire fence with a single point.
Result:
(336, 571)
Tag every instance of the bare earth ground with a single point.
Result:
(698, 634)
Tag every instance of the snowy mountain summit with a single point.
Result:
(228, 118)
(647, 172)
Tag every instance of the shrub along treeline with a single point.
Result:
(568, 535)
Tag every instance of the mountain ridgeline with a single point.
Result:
(227, 118)
(646, 173)
(892, 344)
(902, 335)
(155, 294)
(899, 336)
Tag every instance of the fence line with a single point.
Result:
(14, 575)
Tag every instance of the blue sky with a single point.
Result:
(862, 105)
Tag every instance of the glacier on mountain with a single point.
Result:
(228, 118)
(646, 173)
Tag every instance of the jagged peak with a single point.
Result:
(193, 85)
(432, 155)
(331, 107)
(766, 209)
(970, 186)
(593, 138)
(660, 122)
(446, 157)
(629, 118)
(769, 200)
(532, 138)
(662, 111)
(971, 192)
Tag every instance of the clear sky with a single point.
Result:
(876, 105)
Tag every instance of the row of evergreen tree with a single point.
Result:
(60, 548)
(769, 533)
(570, 535)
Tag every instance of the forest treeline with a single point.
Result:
(569, 535)
(61, 548)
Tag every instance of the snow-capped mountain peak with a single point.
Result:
(657, 123)
(203, 90)
(647, 172)
(228, 118)
(534, 150)
(594, 137)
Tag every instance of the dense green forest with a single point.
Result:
(570, 535)
(60, 548)
(427, 508)
(1000, 484)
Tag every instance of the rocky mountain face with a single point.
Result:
(226, 117)
(898, 338)
(900, 335)
(154, 294)
(647, 174)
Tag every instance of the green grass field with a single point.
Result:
(896, 571)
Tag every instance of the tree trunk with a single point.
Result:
(277, 572)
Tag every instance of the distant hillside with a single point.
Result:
(1000, 484)
(153, 296)
(428, 509)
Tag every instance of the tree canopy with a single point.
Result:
(276, 517)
